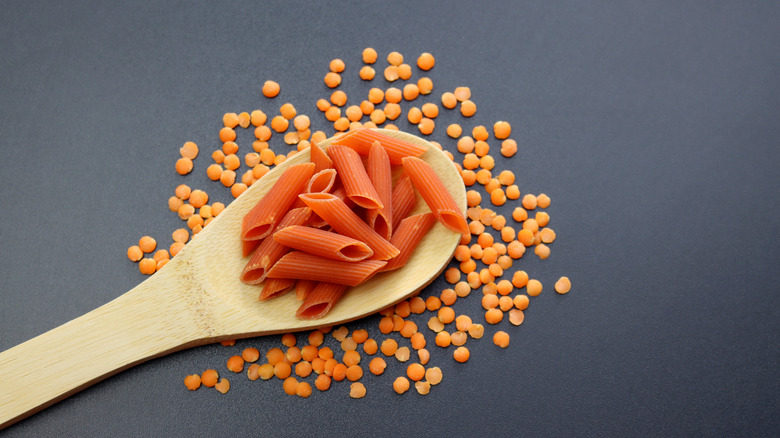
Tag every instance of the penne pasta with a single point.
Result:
(379, 172)
(321, 181)
(262, 219)
(319, 158)
(275, 287)
(323, 243)
(354, 178)
(344, 221)
(407, 236)
(435, 194)
(269, 250)
(361, 140)
(403, 199)
(320, 300)
(298, 265)
(302, 288)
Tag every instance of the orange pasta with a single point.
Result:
(275, 287)
(269, 251)
(379, 172)
(319, 158)
(321, 181)
(407, 236)
(361, 140)
(353, 176)
(344, 221)
(403, 199)
(320, 300)
(435, 194)
(303, 287)
(323, 243)
(299, 265)
(262, 219)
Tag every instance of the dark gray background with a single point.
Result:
(653, 126)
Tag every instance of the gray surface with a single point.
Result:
(652, 125)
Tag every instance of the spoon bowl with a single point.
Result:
(197, 298)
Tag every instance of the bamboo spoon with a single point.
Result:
(197, 299)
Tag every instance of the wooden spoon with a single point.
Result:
(197, 299)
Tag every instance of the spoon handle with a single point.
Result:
(148, 321)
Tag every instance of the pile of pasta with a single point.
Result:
(336, 221)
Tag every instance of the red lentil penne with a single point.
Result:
(323, 243)
(303, 287)
(275, 287)
(379, 172)
(435, 194)
(321, 181)
(298, 265)
(354, 178)
(320, 300)
(361, 140)
(403, 199)
(269, 250)
(344, 221)
(407, 236)
(261, 220)
(319, 158)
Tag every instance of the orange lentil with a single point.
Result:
(563, 285)
(388, 347)
(174, 203)
(402, 354)
(341, 124)
(487, 162)
(516, 316)
(473, 198)
(293, 355)
(227, 134)
(392, 73)
(485, 240)
(230, 120)
(401, 385)
(329, 366)
(228, 178)
(519, 214)
(469, 177)
(232, 162)
(183, 166)
(415, 372)
(495, 270)
(476, 251)
(263, 132)
(426, 126)
(432, 303)
(318, 365)
(393, 95)
(529, 201)
(348, 344)
(501, 338)
(508, 147)
(425, 61)
(370, 346)
(462, 93)
(189, 150)
(134, 253)
(504, 287)
(461, 354)
(521, 301)
(526, 237)
(214, 172)
(369, 55)
(468, 108)
(505, 303)
(357, 390)
(161, 254)
(257, 118)
(395, 58)
(367, 73)
(533, 287)
(425, 85)
(392, 111)
(290, 385)
(338, 98)
(513, 192)
(270, 89)
(185, 211)
(542, 218)
(502, 130)
(332, 80)
(209, 378)
(198, 198)
(336, 65)
(175, 248)
(303, 368)
(498, 197)
(468, 266)
(446, 314)
(458, 338)
(322, 382)
(493, 316)
(471, 161)
(463, 323)
(279, 123)
(376, 95)
(398, 323)
(448, 100)
(243, 120)
(223, 386)
(443, 339)
(377, 366)
(452, 275)
(410, 91)
(489, 301)
(542, 250)
(386, 325)
(448, 298)
(282, 370)
(147, 244)
(507, 234)
(531, 225)
(547, 235)
(192, 382)
(303, 389)
(476, 331)
(353, 373)
(462, 289)
(543, 201)
(454, 130)
(235, 364)
(161, 263)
